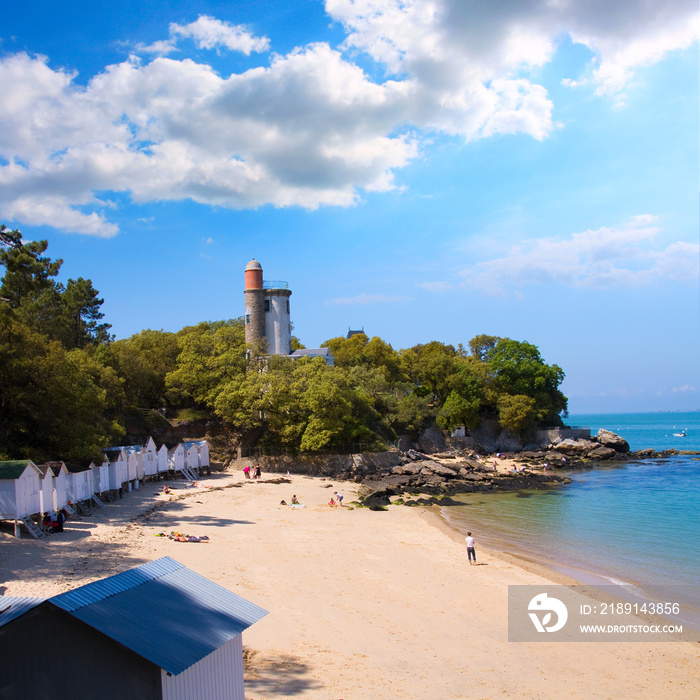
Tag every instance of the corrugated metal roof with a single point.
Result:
(11, 607)
(163, 611)
(99, 590)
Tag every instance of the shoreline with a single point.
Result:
(362, 604)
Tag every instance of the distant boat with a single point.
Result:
(679, 434)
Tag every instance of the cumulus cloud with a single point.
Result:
(311, 128)
(626, 255)
(209, 33)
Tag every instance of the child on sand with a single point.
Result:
(338, 498)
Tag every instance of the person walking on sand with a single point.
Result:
(338, 498)
(471, 552)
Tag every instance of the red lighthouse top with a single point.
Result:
(253, 275)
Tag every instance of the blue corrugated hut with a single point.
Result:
(156, 632)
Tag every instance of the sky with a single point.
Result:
(420, 169)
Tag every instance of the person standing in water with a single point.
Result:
(471, 552)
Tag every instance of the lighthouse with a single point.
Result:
(267, 317)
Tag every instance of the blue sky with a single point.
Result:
(425, 169)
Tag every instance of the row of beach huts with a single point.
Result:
(29, 490)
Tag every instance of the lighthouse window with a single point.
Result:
(287, 305)
(247, 319)
(267, 304)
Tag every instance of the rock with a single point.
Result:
(405, 443)
(601, 452)
(410, 468)
(509, 442)
(412, 454)
(432, 440)
(440, 470)
(575, 447)
(610, 439)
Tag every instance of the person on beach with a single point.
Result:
(338, 498)
(257, 471)
(471, 552)
(246, 471)
(295, 501)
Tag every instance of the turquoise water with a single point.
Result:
(634, 523)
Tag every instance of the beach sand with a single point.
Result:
(362, 604)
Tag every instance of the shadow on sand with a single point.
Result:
(282, 675)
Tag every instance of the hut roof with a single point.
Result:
(163, 611)
(13, 468)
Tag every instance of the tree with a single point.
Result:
(211, 355)
(27, 274)
(10, 239)
(82, 314)
(429, 368)
(520, 371)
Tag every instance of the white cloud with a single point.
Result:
(607, 257)
(211, 33)
(311, 128)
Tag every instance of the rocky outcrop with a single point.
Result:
(432, 441)
(610, 439)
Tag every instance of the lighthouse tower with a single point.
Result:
(267, 312)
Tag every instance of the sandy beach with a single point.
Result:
(361, 604)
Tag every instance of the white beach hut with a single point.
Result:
(80, 488)
(150, 458)
(176, 457)
(60, 484)
(100, 477)
(46, 493)
(117, 468)
(162, 459)
(203, 453)
(20, 491)
(191, 455)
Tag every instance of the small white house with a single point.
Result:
(100, 477)
(80, 486)
(203, 453)
(176, 457)
(134, 463)
(46, 493)
(117, 467)
(20, 489)
(150, 458)
(162, 459)
(191, 455)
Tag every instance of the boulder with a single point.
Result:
(575, 447)
(439, 470)
(432, 441)
(610, 439)
(509, 442)
(410, 468)
(601, 452)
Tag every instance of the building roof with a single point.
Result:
(14, 468)
(253, 265)
(162, 611)
(12, 607)
(311, 352)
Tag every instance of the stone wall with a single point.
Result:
(323, 465)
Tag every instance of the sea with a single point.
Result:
(634, 524)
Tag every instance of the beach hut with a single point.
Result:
(80, 488)
(100, 477)
(150, 459)
(203, 453)
(162, 459)
(159, 631)
(46, 504)
(191, 455)
(20, 492)
(117, 467)
(176, 458)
